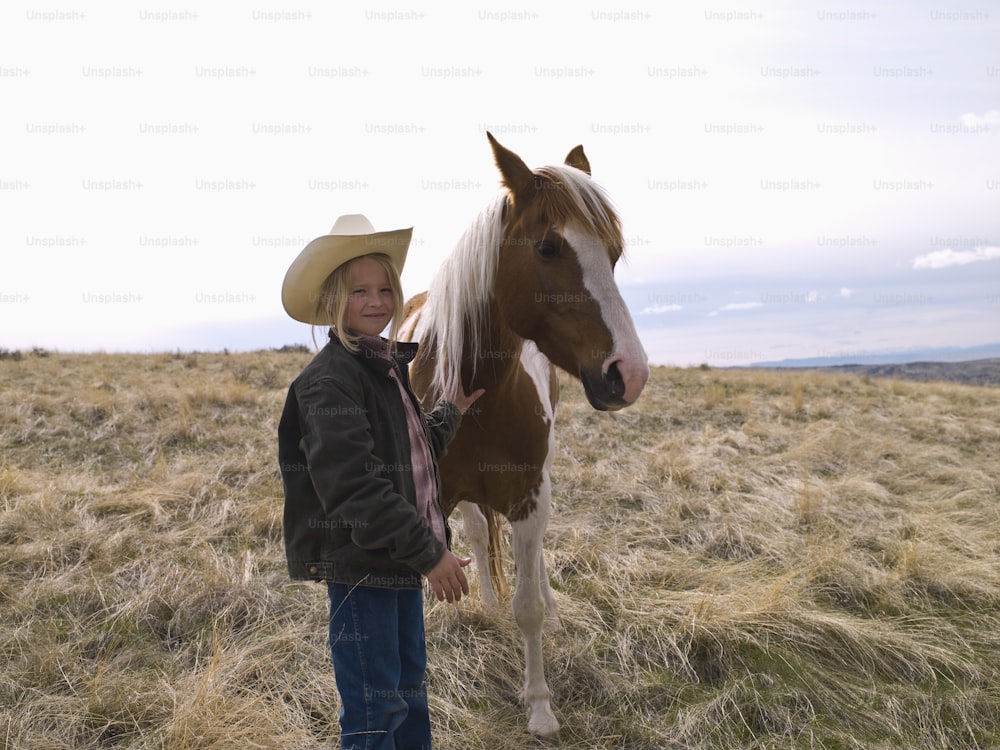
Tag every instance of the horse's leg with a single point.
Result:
(530, 606)
(552, 621)
(477, 533)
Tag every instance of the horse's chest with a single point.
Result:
(502, 452)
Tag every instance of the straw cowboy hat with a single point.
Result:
(352, 236)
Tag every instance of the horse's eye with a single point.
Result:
(547, 249)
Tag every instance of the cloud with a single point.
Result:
(973, 121)
(949, 257)
(736, 306)
(657, 309)
(845, 292)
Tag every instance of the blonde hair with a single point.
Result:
(335, 293)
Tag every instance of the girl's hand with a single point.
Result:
(448, 579)
(464, 400)
(459, 397)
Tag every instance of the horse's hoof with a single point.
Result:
(543, 724)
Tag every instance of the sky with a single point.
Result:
(796, 179)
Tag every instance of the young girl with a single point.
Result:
(359, 467)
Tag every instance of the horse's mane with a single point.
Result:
(459, 293)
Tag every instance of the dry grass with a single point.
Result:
(744, 560)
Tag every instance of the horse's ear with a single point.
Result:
(576, 158)
(516, 175)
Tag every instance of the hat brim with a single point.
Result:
(300, 290)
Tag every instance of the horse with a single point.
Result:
(528, 288)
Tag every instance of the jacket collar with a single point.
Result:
(375, 352)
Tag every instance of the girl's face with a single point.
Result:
(371, 304)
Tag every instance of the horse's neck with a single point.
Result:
(499, 352)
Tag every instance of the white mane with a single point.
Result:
(459, 292)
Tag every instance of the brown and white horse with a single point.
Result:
(529, 286)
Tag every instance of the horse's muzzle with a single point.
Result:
(606, 390)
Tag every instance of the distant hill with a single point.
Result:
(972, 372)
(977, 365)
(903, 356)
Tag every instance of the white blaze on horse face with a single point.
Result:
(598, 277)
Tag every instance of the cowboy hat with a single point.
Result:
(351, 237)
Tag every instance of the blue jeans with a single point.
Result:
(379, 659)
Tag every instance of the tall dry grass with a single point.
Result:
(743, 560)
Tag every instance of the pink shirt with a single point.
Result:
(424, 477)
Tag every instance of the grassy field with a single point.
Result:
(745, 559)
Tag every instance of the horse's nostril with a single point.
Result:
(615, 381)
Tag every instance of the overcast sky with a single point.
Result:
(796, 178)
